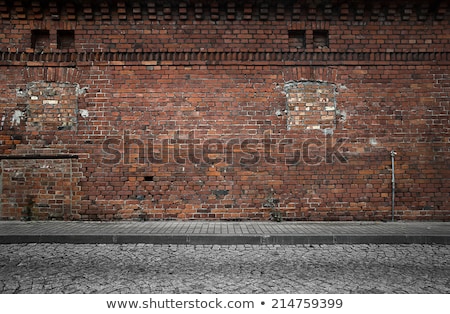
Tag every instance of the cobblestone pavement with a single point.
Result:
(147, 268)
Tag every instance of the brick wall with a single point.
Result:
(224, 110)
(39, 189)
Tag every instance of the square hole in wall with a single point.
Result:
(65, 39)
(297, 39)
(149, 178)
(40, 39)
(320, 39)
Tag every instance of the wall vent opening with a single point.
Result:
(65, 39)
(297, 39)
(321, 39)
(40, 39)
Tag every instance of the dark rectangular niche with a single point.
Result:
(40, 39)
(320, 39)
(65, 39)
(297, 39)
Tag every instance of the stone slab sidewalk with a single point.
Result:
(228, 233)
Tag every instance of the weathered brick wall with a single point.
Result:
(39, 189)
(225, 110)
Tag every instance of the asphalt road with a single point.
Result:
(155, 269)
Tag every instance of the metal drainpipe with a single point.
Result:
(393, 153)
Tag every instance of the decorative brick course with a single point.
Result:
(228, 110)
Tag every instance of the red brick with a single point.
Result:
(168, 75)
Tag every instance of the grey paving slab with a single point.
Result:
(221, 232)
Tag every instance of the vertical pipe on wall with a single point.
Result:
(393, 153)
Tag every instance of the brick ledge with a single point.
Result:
(73, 59)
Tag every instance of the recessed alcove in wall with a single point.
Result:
(40, 39)
(297, 39)
(321, 39)
(65, 39)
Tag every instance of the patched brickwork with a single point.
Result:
(227, 110)
(39, 189)
(52, 106)
(311, 105)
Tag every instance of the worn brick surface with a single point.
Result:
(228, 110)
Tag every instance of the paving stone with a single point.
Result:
(109, 268)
